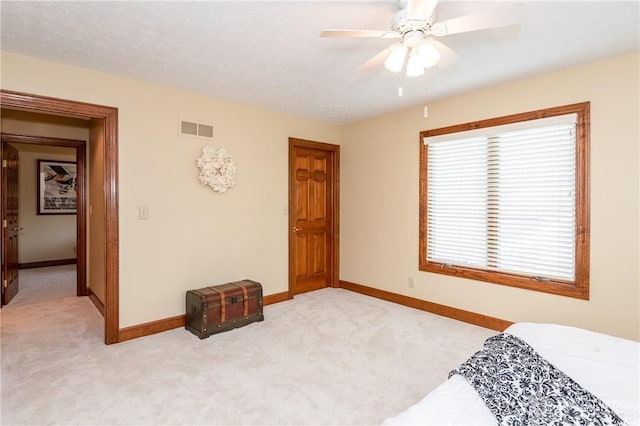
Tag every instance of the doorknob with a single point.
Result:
(296, 229)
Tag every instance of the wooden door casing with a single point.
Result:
(10, 223)
(81, 234)
(313, 190)
(109, 116)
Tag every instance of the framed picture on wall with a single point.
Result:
(56, 187)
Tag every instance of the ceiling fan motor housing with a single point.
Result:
(399, 19)
(413, 28)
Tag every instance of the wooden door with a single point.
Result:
(10, 223)
(313, 220)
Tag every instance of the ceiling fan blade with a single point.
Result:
(498, 17)
(360, 33)
(371, 63)
(447, 55)
(420, 10)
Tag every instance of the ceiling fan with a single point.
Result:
(416, 28)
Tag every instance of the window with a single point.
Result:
(506, 200)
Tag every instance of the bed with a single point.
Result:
(605, 366)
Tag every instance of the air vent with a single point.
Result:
(192, 128)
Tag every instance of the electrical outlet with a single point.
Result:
(410, 281)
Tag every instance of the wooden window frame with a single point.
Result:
(579, 288)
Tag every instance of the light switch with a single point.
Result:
(143, 212)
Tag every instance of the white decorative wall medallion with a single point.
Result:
(217, 169)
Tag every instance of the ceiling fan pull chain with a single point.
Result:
(400, 84)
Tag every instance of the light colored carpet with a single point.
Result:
(327, 357)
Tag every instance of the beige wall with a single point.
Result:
(96, 215)
(33, 124)
(44, 237)
(379, 199)
(194, 236)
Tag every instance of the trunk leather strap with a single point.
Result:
(245, 297)
(223, 307)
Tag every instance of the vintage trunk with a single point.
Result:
(212, 310)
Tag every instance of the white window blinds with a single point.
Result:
(503, 198)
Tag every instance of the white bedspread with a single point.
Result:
(606, 366)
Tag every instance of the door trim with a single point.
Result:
(81, 215)
(334, 154)
(55, 106)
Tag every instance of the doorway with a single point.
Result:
(313, 215)
(11, 208)
(107, 117)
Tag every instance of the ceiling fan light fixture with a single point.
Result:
(418, 30)
(413, 38)
(428, 54)
(395, 60)
(415, 66)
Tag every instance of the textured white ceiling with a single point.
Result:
(268, 53)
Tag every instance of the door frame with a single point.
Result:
(334, 158)
(81, 218)
(109, 116)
